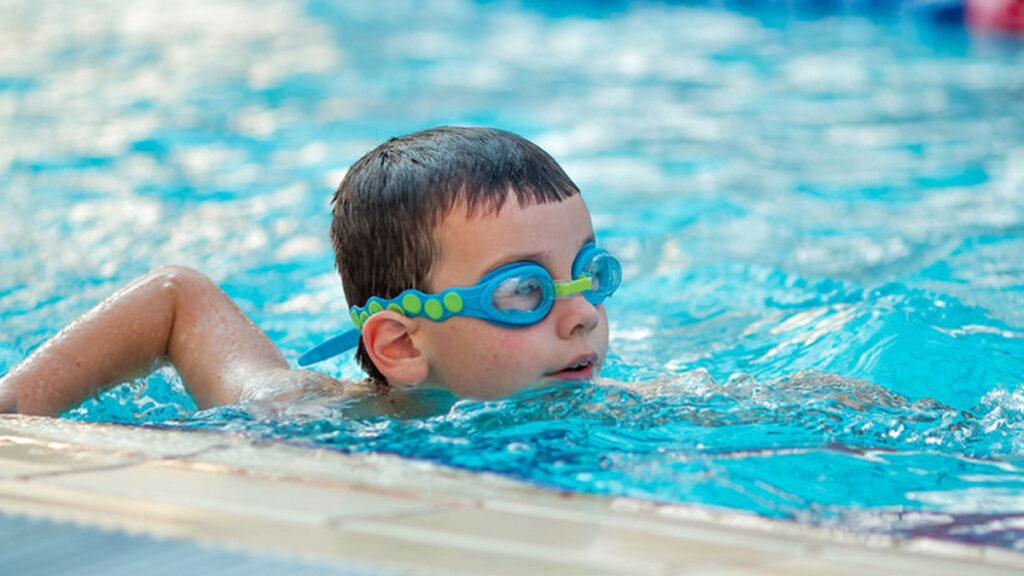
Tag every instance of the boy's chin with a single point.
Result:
(548, 385)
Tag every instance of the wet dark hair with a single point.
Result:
(388, 204)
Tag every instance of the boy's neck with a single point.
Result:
(410, 402)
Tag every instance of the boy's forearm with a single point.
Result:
(115, 341)
(171, 314)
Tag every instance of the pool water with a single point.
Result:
(820, 214)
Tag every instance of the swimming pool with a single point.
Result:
(788, 192)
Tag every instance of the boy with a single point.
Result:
(466, 253)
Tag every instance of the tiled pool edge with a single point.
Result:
(387, 513)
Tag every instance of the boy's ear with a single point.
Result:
(387, 336)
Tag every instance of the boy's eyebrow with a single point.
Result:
(529, 257)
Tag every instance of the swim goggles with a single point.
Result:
(513, 296)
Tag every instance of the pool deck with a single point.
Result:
(373, 513)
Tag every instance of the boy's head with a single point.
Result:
(440, 209)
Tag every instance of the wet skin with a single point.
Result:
(178, 316)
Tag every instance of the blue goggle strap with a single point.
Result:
(473, 302)
(437, 307)
(331, 347)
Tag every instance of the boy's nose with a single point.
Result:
(576, 315)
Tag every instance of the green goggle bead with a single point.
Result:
(411, 304)
(453, 302)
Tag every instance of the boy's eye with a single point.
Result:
(518, 294)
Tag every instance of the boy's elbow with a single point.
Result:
(179, 286)
(179, 278)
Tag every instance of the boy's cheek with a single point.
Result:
(471, 357)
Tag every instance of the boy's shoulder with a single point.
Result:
(280, 386)
(309, 394)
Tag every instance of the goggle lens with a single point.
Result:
(522, 294)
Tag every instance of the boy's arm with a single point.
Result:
(170, 314)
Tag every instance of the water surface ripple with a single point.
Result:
(820, 216)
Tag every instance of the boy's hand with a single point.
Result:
(8, 400)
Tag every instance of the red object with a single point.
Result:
(1002, 15)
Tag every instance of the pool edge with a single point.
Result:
(385, 513)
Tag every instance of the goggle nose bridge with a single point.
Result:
(571, 287)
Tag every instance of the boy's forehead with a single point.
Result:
(471, 243)
(479, 220)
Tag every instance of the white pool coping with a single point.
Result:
(387, 514)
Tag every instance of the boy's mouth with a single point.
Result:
(582, 368)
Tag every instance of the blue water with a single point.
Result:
(820, 215)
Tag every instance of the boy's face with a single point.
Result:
(473, 358)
